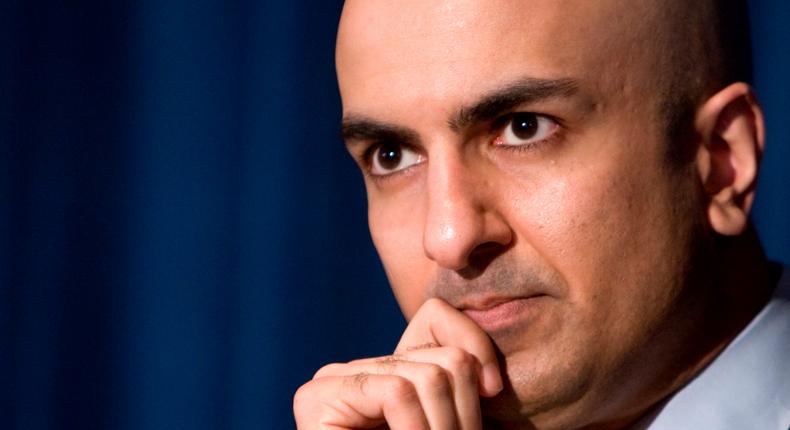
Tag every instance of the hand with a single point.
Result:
(442, 365)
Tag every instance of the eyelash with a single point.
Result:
(367, 163)
(497, 128)
(499, 124)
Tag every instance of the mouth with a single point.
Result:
(500, 314)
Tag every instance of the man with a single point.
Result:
(559, 191)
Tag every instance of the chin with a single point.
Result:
(538, 394)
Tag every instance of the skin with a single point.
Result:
(618, 256)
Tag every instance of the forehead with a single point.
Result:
(413, 51)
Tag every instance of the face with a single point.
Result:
(514, 152)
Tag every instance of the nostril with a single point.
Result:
(479, 259)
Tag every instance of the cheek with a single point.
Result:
(396, 230)
(558, 217)
(596, 227)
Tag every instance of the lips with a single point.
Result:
(498, 314)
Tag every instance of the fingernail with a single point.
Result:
(492, 379)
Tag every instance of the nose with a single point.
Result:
(462, 222)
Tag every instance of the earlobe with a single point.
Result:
(732, 129)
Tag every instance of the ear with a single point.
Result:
(732, 128)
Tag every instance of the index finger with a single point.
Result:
(438, 323)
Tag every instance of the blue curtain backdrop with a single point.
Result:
(184, 239)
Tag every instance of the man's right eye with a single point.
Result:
(388, 158)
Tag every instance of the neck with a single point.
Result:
(743, 284)
(736, 283)
(732, 284)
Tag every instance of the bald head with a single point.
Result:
(686, 50)
(707, 46)
(712, 38)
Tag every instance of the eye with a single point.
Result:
(388, 158)
(526, 128)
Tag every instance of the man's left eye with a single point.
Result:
(526, 128)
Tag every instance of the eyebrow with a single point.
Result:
(359, 128)
(523, 91)
(356, 128)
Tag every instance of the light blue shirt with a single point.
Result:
(746, 387)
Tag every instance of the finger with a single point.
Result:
(360, 401)
(462, 366)
(459, 364)
(433, 385)
(438, 323)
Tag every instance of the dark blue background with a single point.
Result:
(184, 238)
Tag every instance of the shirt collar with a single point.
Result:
(746, 387)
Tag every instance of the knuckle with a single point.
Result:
(387, 365)
(461, 364)
(400, 390)
(432, 305)
(303, 399)
(434, 379)
(457, 359)
(327, 370)
(426, 345)
(358, 381)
